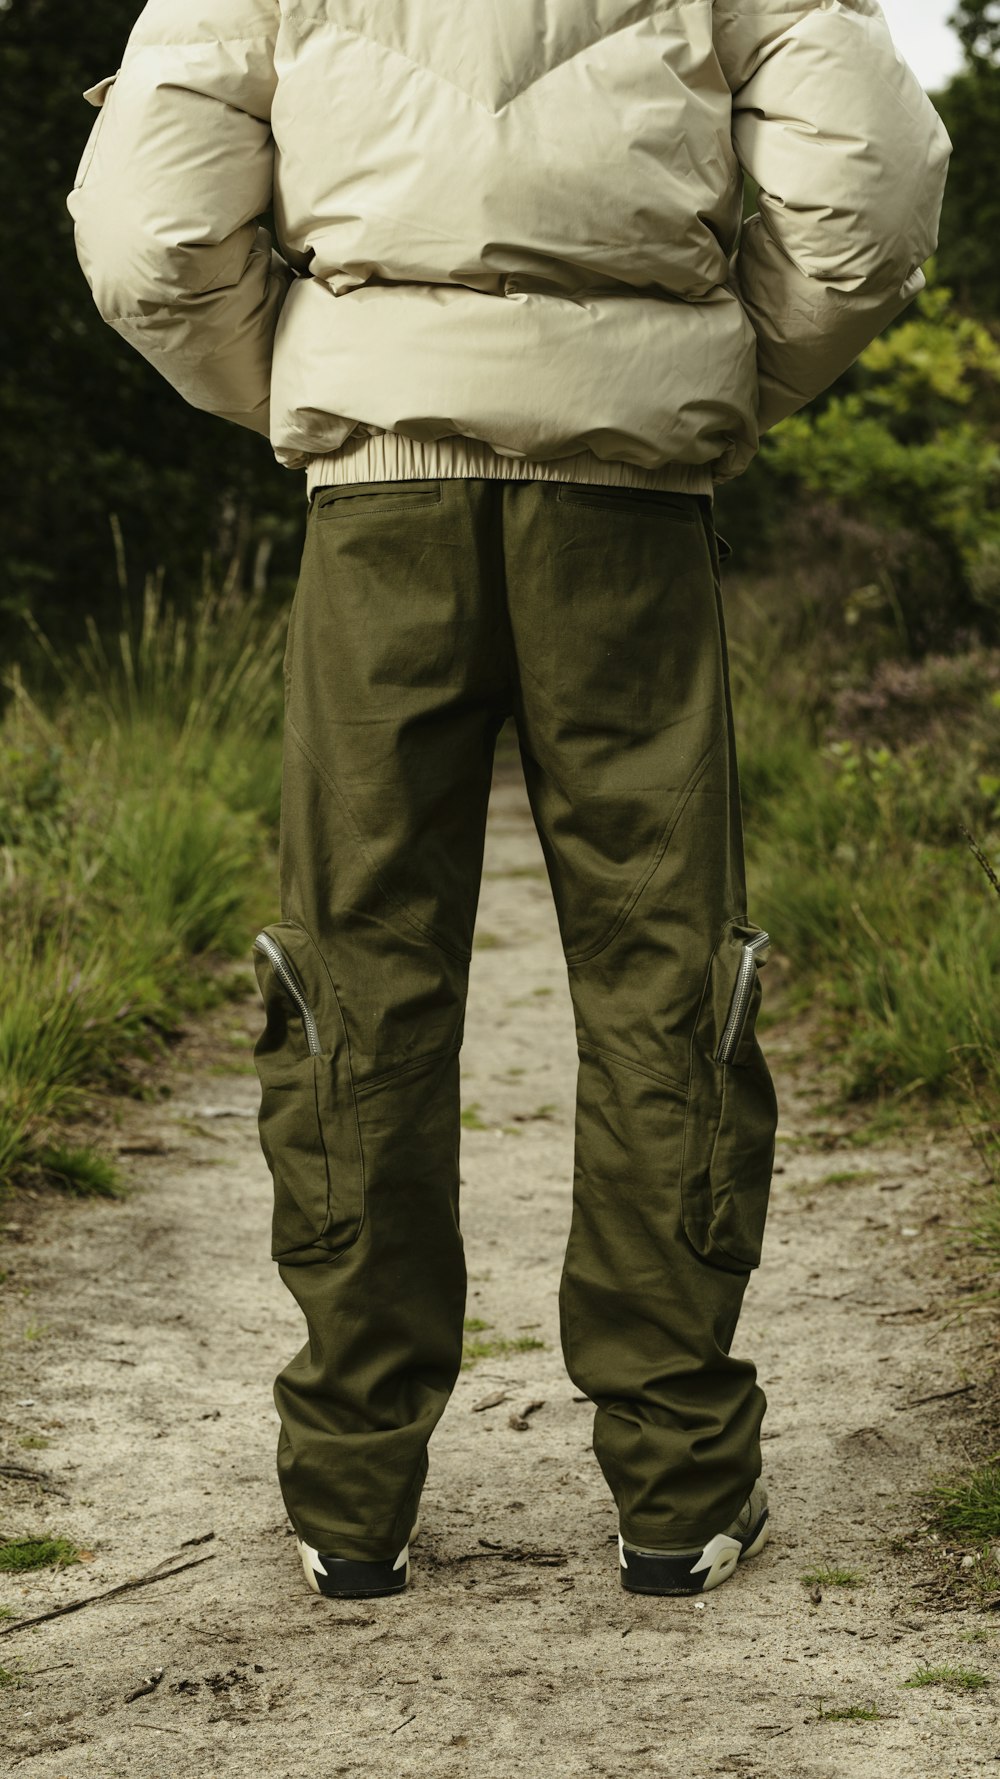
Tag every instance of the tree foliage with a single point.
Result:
(968, 254)
(914, 445)
(977, 23)
(87, 429)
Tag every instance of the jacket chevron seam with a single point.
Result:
(393, 49)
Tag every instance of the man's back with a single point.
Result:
(518, 225)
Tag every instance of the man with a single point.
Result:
(515, 335)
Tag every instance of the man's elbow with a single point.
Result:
(132, 272)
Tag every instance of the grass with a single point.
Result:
(968, 1680)
(20, 1554)
(471, 1119)
(832, 1578)
(34, 1442)
(137, 815)
(859, 865)
(9, 1679)
(969, 1507)
(847, 1177)
(500, 1347)
(849, 1714)
(80, 1171)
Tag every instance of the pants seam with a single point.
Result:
(412, 920)
(405, 1068)
(574, 959)
(637, 1068)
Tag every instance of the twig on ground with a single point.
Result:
(913, 1309)
(123, 1587)
(550, 1559)
(149, 1685)
(935, 1396)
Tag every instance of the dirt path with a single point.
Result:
(141, 1343)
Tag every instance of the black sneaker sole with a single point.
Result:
(690, 1572)
(344, 1578)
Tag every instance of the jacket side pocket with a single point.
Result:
(728, 1148)
(308, 1118)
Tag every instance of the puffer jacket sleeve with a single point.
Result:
(175, 175)
(850, 158)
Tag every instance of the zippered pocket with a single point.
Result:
(279, 963)
(754, 953)
(731, 1114)
(308, 1117)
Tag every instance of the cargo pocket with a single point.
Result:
(308, 1118)
(729, 1126)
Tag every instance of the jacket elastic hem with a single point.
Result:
(390, 456)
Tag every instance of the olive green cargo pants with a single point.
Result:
(426, 613)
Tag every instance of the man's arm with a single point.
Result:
(850, 159)
(176, 172)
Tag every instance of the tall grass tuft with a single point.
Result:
(856, 801)
(969, 1506)
(137, 817)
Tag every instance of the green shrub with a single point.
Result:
(911, 444)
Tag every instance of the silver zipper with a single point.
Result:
(282, 969)
(741, 997)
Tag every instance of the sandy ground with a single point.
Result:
(141, 1340)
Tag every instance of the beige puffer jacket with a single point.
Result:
(519, 223)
